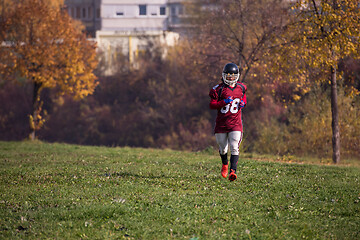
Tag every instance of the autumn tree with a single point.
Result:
(236, 30)
(40, 44)
(320, 35)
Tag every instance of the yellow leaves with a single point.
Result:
(352, 92)
(31, 122)
(42, 45)
(49, 49)
(36, 121)
(296, 97)
(317, 40)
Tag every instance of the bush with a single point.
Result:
(307, 130)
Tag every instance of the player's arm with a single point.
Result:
(214, 103)
(243, 101)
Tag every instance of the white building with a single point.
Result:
(127, 26)
(87, 11)
(133, 15)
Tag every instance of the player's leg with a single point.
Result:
(234, 142)
(222, 141)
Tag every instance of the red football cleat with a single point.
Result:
(224, 170)
(232, 175)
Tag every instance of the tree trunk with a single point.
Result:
(335, 118)
(33, 119)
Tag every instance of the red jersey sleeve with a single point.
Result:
(244, 96)
(244, 99)
(214, 103)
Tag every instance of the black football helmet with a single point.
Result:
(230, 74)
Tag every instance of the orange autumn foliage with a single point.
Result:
(40, 43)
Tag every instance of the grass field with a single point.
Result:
(59, 191)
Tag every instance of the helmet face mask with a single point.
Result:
(230, 79)
(230, 74)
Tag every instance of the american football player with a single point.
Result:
(228, 98)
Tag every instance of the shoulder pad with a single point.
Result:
(216, 86)
(243, 86)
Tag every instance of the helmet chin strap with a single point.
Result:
(231, 84)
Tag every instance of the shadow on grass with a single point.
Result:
(162, 176)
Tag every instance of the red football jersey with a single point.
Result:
(229, 115)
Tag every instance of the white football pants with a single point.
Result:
(225, 139)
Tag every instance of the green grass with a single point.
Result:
(59, 191)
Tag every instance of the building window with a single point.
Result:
(72, 12)
(78, 13)
(97, 13)
(83, 12)
(90, 12)
(153, 10)
(181, 10)
(119, 11)
(142, 10)
(162, 11)
(173, 11)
